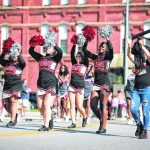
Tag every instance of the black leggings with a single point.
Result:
(94, 106)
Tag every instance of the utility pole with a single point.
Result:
(126, 45)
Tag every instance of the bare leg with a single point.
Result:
(13, 108)
(58, 107)
(104, 98)
(46, 109)
(79, 102)
(72, 106)
(94, 104)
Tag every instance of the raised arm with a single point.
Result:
(59, 54)
(146, 52)
(110, 47)
(73, 60)
(88, 53)
(34, 54)
(86, 60)
(2, 60)
(22, 63)
(129, 54)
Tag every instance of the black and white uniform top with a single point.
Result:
(101, 67)
(142, 76)
(47, 80)
(12, 76)
(78, 71)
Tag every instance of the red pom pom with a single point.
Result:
(74, 39)
(88, 33)
(36, 40)
(7, 45)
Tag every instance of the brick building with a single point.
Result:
(22, 19)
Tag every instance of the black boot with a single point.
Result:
(15, 121)
(101, 131)
(51, 123)
(43, 128)
(84, 122)
(10, 124)
(73, 125)
(143, 134)
(138, 130)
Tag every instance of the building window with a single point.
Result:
(124, 1)
(147, 36)
(6, 2)
(122, 38)
(80, 2)
(45, 2)
(4, 34)
(44, 30)
(63, 30)
(64, 2)
(79, 28)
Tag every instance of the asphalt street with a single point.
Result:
(25, 136)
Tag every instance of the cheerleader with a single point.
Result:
(47, 81)
(13, 64)
(101, 88)
(77, 84)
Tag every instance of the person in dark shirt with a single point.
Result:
(76, 88)
(13, 64)
(139, 55)
(101, 88)
(47, 82)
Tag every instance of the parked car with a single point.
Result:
(32, 99)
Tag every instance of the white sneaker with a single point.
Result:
(58, 120)
(130, 122)
(67, 118)
(1, 119)
(88, 120)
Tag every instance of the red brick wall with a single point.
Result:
(26, 22)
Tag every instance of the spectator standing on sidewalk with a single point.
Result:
(128, 94)
(25, 98)
(62, 96)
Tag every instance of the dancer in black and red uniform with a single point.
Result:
(47, 81)
(13, 64)
(101, 88)
(77, 84)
